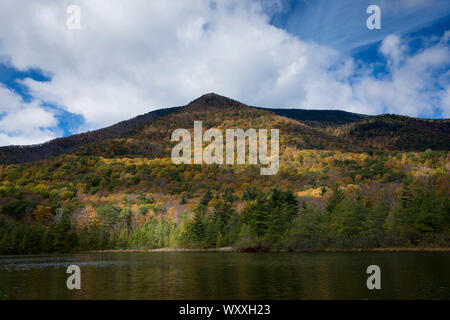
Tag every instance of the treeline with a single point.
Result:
(393, 132)
(420, 218)
(71, 178)
(272, 220)
(31, 238)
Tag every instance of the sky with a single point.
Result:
(131, 57)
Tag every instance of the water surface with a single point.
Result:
(226, 275)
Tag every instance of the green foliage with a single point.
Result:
(64, 239)
(157, 233)
(373, 230)
(336, 198)
(419, 218)
(229, 195)
(34, 238)
(142, 199)
(17, 208)
(380, 199)
(222, 214)
(385, 197)
(270, 215)
(196, 231)
(111, 215)
(206, 198)
(250, 194)
(347, 219)
(308, 231)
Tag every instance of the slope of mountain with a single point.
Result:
(321, 118)
(21, 154)
(153, 139)
(393, 132)
(148, 135)
(118, 187)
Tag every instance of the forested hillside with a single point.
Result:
(307, 129)
(357, 182)
(22, 154)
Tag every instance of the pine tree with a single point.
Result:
(47, 240)
(63, 238)
(373, 224)
(222, 214)
(206, 198)
(6, 244)
(336, 197)
(197, 230)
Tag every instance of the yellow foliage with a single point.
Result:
(94, 219)
(42, 213)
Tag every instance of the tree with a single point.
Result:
(249, 194)
(64, 239)
(7, 244)
(125, 217)
(111, 215)
(206, 198)
(48, 239)
(347, 220)
(308, 231)
(429, 218)
(271, 214)
(221, 241)
(336, 197)
(373, 230)
(222, 214)
(257, 216)
(32, 239)
(229, 196)
(197, 230)
(42, 213)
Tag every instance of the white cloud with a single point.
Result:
(392, 49)
(130, 57)
(9, 101)
(409, 88)
(24, 122)
(37, 137)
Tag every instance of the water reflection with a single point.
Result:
(220, 275)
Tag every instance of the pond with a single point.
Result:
(227, 275)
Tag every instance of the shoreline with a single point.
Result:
(231, 249)
(167, 249)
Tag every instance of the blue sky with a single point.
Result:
(134, 58)
(340, 24)
(67, 122)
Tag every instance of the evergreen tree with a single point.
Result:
(64, 239)
(373, 225)
(336, 197)
(206, 198)
(7, 244)
(229, 196)
(347, 220)
(222, 214)
(197, 230)
(249, 194)
(31, 242)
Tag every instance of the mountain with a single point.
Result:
(148, 135)
(393, 132)
(153, 139)
(321, 118)
(21, 154)
(344, 181)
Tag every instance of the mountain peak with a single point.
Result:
(215, 100)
